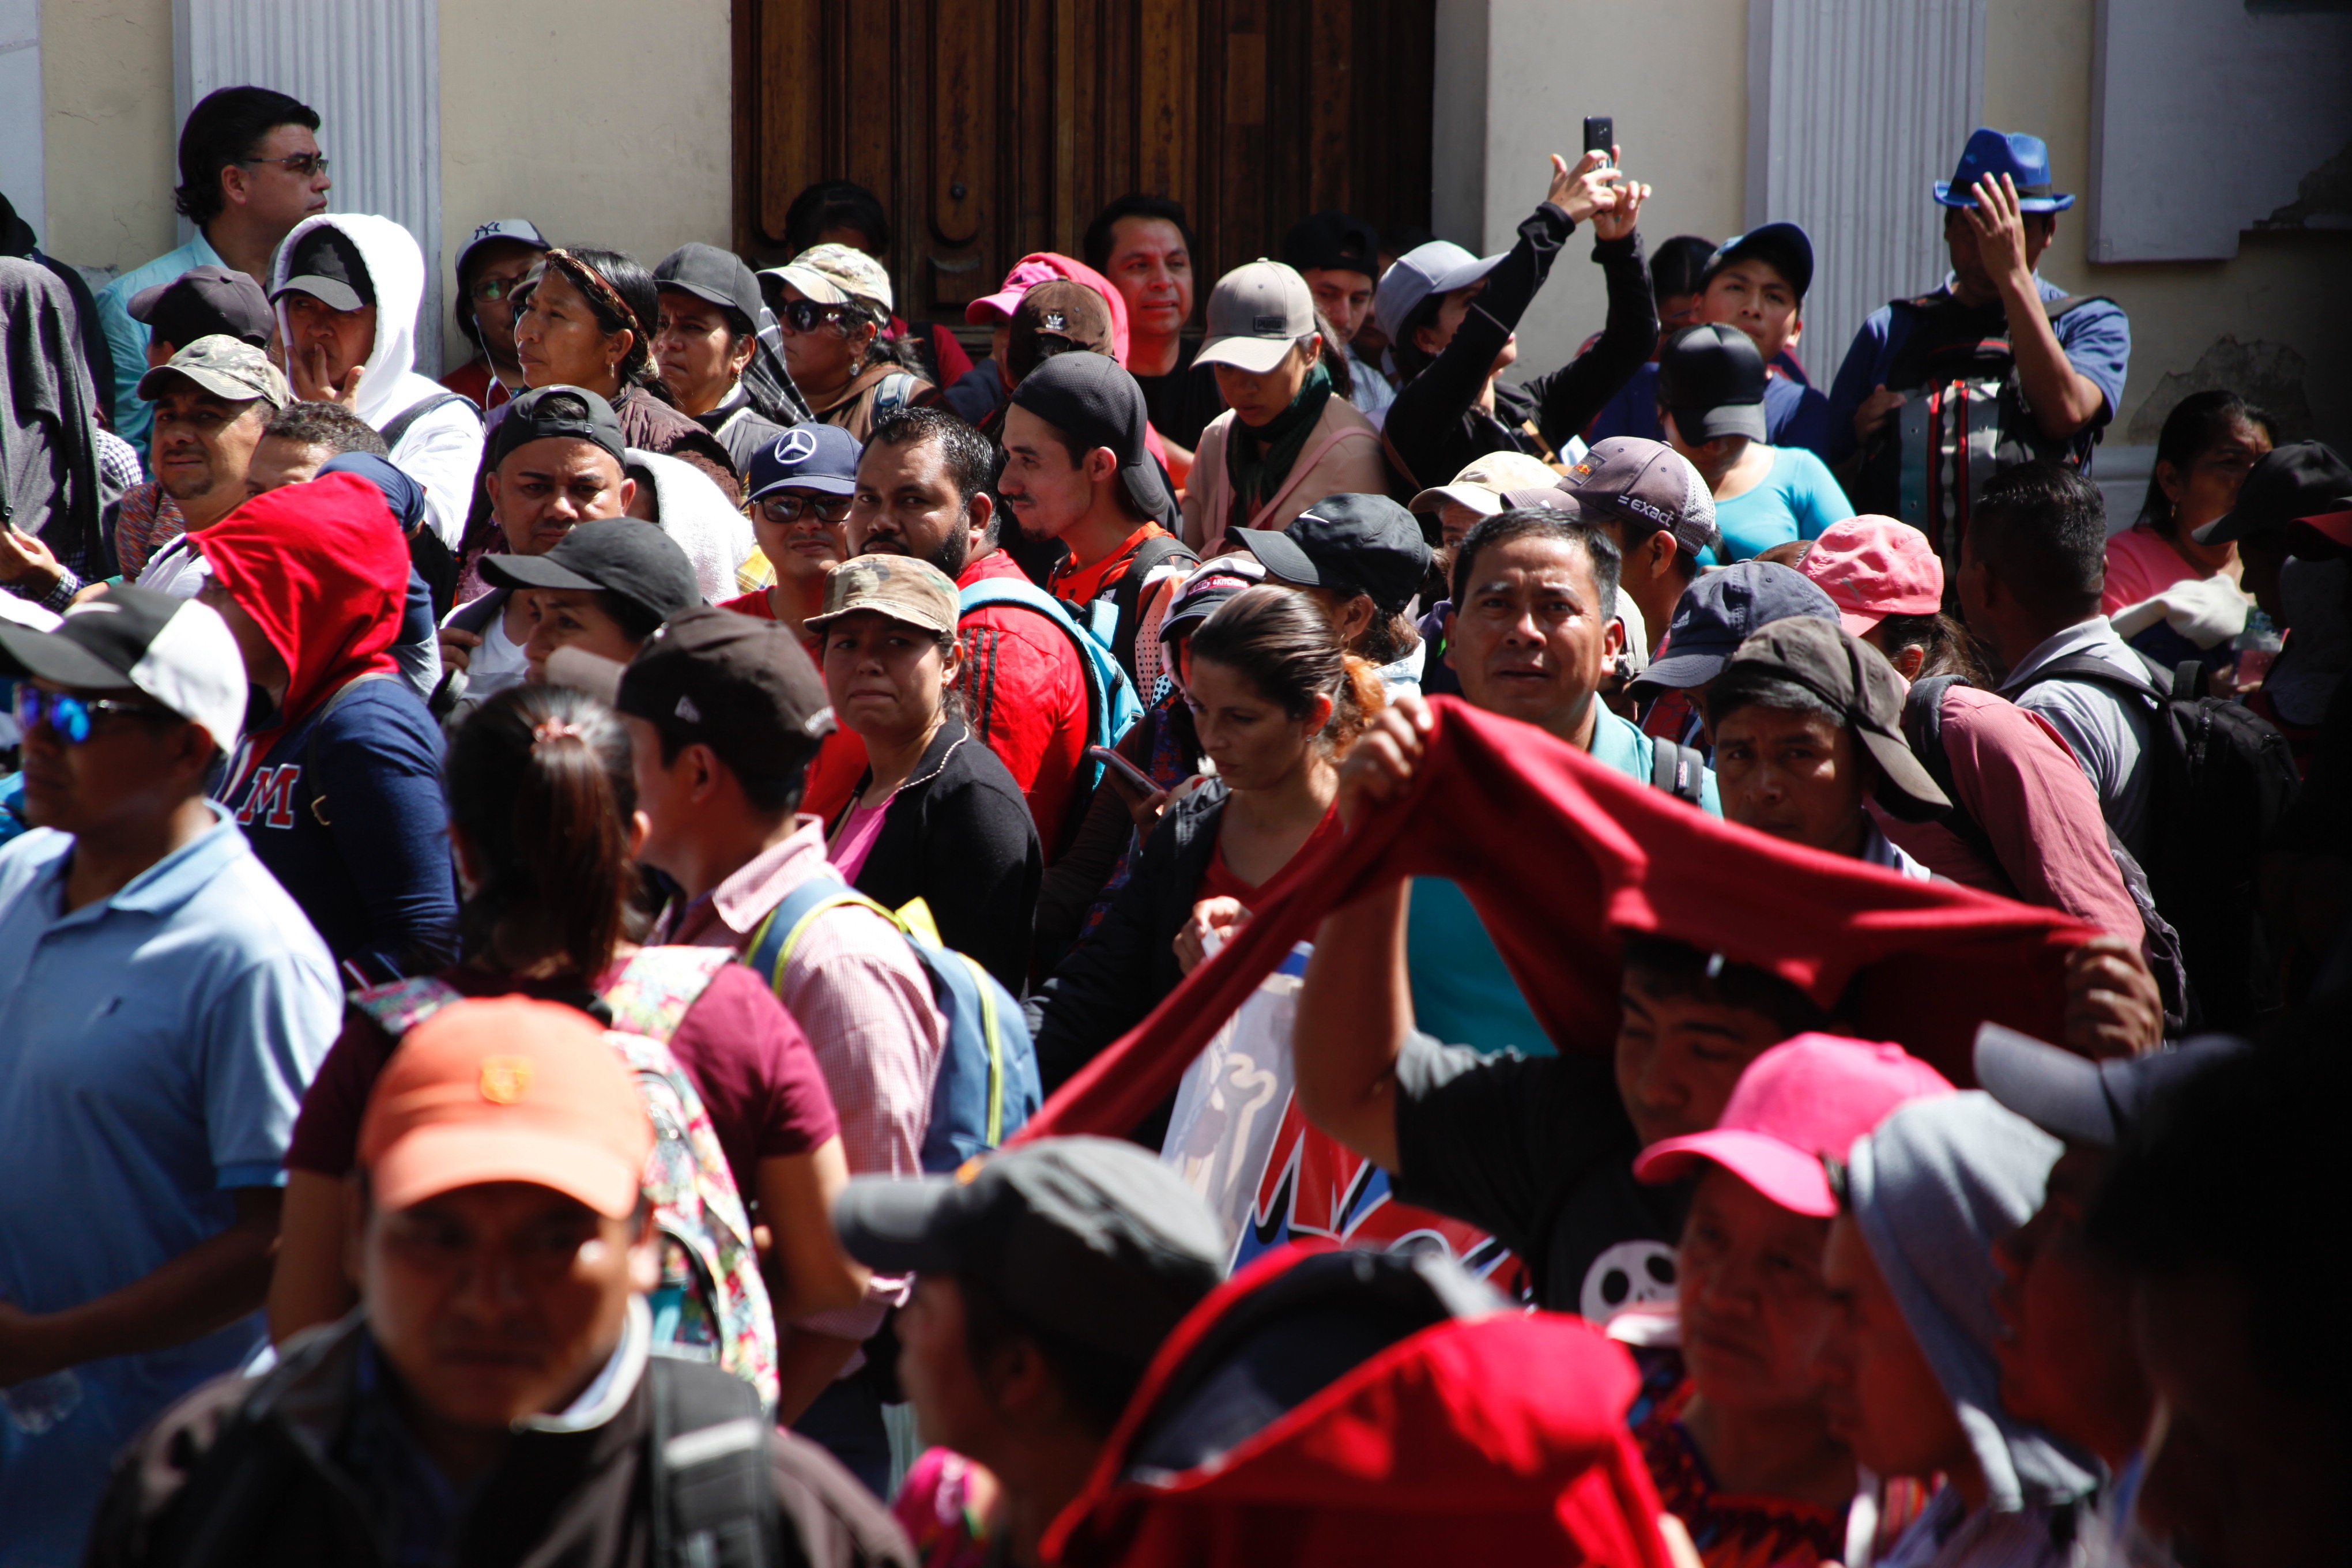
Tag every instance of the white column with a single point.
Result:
(370, 68)
(1854, 107)
(22, 176)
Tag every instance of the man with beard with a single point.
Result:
(923, 490)
(212, 404)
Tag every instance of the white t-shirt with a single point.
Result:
(178, 569)
(497, 664)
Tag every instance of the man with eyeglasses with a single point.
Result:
(491, 265)
(163, 1006)
(250, 169)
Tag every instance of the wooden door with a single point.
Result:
(994, 128)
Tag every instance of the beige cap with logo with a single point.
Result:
(1257, 312)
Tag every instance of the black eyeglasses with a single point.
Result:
(782, 509)
(802, 315)
(72, 716)
(305, 164)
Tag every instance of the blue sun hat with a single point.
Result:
(1992, 153)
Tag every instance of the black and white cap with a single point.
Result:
(175, 652)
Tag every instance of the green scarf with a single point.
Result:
(1258, 460)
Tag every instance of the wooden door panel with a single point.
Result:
(992, 128)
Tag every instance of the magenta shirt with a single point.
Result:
(859, 831)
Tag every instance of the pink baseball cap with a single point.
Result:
(1806, 1097)
(992, 308)
(1874, 567)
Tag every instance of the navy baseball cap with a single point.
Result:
(810, 456)
(1788, 249)
(1990, 154)
(2086, 1101)
(1720, 611)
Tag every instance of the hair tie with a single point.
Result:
(551, 730)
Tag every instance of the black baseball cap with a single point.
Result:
(1335, 241)
(2300, 479)
(1092, 400)
(2086, 1101)
(1712, 380)
(1349, 544)
(741, 686)
(328, 266)
(1787, 248)
(1092, 1238)
(621, 556)
(1722, 610)
(717, 276)
(203, 302)
(558, 411)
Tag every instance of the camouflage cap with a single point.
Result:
(914, 592)
(225, 367)
(838, 275)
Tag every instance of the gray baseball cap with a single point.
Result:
(1438, 268)
(225, 367)
(1256, 313)
(1093, 1238)
(1647, 486)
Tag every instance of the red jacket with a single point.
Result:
(1026, 690)
(1488, 1440)
(1559, 853)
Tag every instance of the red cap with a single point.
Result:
(1805, 1097)
(1874, 567)
(507, 1090)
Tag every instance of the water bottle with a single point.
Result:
(2256, 647)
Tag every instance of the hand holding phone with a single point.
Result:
(1124, 768)
(1600, 136)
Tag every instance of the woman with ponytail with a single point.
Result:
(542, 816)
(1275, 700)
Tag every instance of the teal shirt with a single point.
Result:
(134, 416)
(1798, 499)
(1462, 994)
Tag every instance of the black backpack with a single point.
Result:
(1964, 419)
(1922, 728)
(713, 1492)
(1679, 770)
(2224, 777)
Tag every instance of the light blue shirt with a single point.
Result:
(1462, 990)
(154, 1048)
(1798, 499)
(133, 416)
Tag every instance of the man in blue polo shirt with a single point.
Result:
(2000, 216)
(163, 1006)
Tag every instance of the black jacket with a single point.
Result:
(256, 1473)
(1127, 963)
(1434, 426)
(959, 835)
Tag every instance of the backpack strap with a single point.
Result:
(1923, 730)
(770, 948)
(408, 417)
(344, 694)
(401, 1005)
(2154, 686)
(1679, 771)
(714, 1499)
(652, 994)
(1127, 594)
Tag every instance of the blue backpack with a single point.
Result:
(1111, 702)
(988, 1085)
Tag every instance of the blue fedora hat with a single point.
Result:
(1990, 154)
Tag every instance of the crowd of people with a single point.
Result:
(576, 938)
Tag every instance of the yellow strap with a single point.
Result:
(915, 919)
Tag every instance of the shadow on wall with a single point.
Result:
(2269, 376)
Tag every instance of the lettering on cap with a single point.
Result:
(505, 1079)
(1264, 325)
(686, 710)
(1657, 514)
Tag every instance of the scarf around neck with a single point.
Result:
(1258, 460)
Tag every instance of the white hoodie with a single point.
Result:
(698, 517)
(443, 450)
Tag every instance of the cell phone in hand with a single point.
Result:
(1124, 769)
(1600, 135)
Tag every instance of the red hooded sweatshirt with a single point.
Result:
(1492, 1439)
(1559, 854)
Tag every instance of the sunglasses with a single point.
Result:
(782, 509)
(304, 165)
(72, 716)
(802, 315)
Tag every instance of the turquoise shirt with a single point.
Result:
(1462, 994)
(1798, 499)
(134, 416)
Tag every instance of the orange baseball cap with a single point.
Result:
(507, 1090)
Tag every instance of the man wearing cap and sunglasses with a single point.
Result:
(494, 1397)
(2068, 356)
(491, 266)
(163, 1006)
